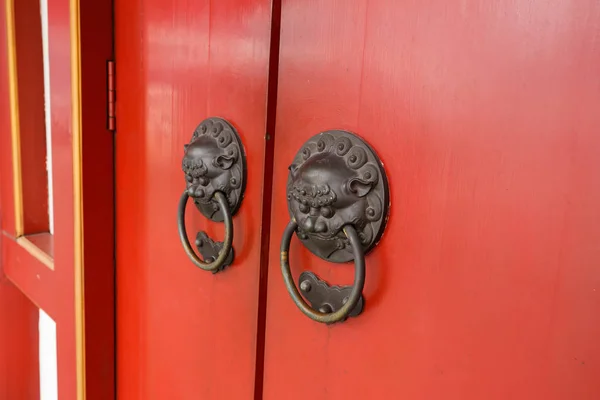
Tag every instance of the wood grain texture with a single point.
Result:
(185, 333)
(486, 115)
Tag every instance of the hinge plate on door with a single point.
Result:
(111, 95)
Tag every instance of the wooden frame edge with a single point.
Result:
(29, 274)
(25, 274)
(18, 353)
(78, 248)
(36, 252)
(15, 136)
(14, 116)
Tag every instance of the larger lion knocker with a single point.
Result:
(336, 180)
(212, 163)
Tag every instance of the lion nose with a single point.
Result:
(320, 227)
(311, 225)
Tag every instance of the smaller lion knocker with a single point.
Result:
(336, 180)
(338, 197)
(214, 162)
(214, 165)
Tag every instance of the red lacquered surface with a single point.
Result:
(486, 114)
(63, 279)
(7, 200)
(19, 365)
(183, 332)
(30, 73)
(97, 173)
(19, 368)
(44, 242)
(54, 290)
(32, 277)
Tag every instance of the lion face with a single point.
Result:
(210, 164)
(332, 184)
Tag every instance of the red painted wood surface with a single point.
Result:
(31, 276)
(487, 116)
(53, 290)
(30, 69)
(183, 332)
(60, 283)
(7, 212)
(19, 368)
(44, 242)
(98, 200)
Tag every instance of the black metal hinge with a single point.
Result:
(111, 95)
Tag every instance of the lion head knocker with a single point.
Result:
(214, 165)
(214, 161)
(336, 179)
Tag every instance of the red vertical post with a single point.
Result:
(19, 360)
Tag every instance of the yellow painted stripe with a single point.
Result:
(14, 116)
(36, 252)
(78, 197)
(77, 181)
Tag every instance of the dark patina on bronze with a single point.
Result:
(214, 160)
(336, 179)
(325, 304)
(338, 200)
(325, 298)
(214, 165)
(210, 250)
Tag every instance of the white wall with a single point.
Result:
(47, 326)
(48, 372)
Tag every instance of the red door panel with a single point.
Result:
(486, 115)
(182, 332)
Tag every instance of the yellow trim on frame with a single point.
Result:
(79, 298)
(78, 196)
(15, 135)
(14, 116)
(36, 252)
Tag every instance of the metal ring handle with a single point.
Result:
(357, 287)
(227, 219)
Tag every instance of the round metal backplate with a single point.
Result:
(337, 179)
(215, 160)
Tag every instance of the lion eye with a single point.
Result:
(304, 208)
(327, 212)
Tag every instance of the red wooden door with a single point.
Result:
(486, 114)
(185, 333)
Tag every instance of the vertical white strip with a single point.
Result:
(47, 326)
(48, 372)
(47, 108)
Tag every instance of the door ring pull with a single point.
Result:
(338, 200)
(214, 166)
(219, 262)
(351, 301)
